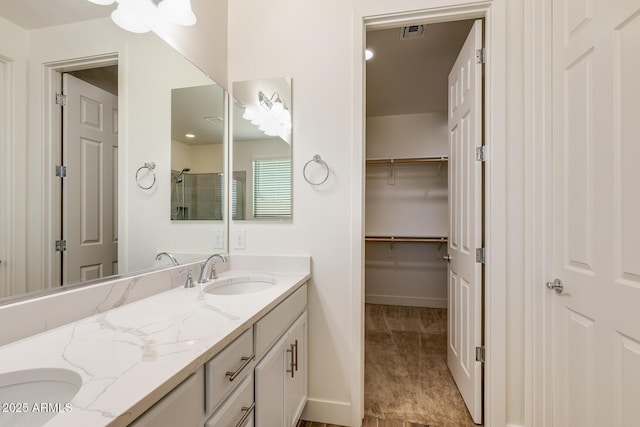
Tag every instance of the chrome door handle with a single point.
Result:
(556, 285)
(447, 258)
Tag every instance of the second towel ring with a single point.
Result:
(317, 159)
(149, 167)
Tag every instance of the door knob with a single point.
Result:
(556, 285)
(447, 258)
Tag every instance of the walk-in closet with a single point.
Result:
(407, 224)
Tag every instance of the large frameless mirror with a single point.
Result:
(262, 146)
(52, 236)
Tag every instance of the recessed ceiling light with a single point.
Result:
(189, 135)
(368, 54)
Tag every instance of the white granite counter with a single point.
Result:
(131, 356)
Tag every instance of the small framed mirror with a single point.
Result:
(262, 146)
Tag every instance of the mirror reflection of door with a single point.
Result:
(89, 186)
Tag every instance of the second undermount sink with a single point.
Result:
(37, 395)
(240, 285)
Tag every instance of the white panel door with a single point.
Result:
(465, 227)
(90, 142)
(596, 213)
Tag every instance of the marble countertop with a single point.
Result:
(131, 356)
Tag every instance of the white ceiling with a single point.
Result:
(410, 76)
(32, 14)
(190, 109)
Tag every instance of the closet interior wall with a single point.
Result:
(406, 200)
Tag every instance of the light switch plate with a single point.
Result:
(218, 239)
(238, 239)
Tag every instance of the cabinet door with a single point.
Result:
(269, 386)
(183, 406)
(295, 383)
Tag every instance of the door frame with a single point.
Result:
(494, 211)
(52, 156)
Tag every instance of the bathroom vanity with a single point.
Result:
(270, 354)
(231, 352)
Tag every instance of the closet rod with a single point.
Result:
(406, 239)
(408, 160)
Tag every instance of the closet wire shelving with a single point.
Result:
(406, 160)
(391, 162)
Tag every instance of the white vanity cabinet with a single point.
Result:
(183, 406)
(281, 374)
(259, 379)
(229, 384)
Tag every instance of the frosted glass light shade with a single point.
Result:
(127, 18)
(177, 11)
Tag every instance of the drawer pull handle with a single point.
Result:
(247, 411)
(245, 361)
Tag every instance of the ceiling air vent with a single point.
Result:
(412, 32)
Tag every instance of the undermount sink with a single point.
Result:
(37, 395)
(240, 285)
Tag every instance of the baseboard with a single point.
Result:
(406, 301)
(327, 412)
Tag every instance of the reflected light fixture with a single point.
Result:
(189, 135)
(138, 16)
(272, 117)
(368, 54)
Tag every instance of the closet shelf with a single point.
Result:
(433, 159)
(394, 239)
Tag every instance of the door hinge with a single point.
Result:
(481, 56)
(61, 245)
(61, 99)
(61, 171)
(480, 255)
(480, 354)
(481, 153)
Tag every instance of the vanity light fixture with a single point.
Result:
(138, 16)
(272, 117)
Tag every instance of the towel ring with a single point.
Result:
(149, 168)
(317, 159)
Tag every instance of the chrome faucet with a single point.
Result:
(210, 261)
(173, 259)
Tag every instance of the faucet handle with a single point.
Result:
(189, 282)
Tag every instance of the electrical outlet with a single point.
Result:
(238, 239)
(218, 239)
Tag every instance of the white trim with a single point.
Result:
(7, 198)
(495, 196)
(406, 301)
(538, 192)
(328, 412)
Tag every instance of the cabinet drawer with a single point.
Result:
(238, 409)
(183, 406)
(274, 323)
(228, 368)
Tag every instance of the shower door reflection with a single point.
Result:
(197, 196)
